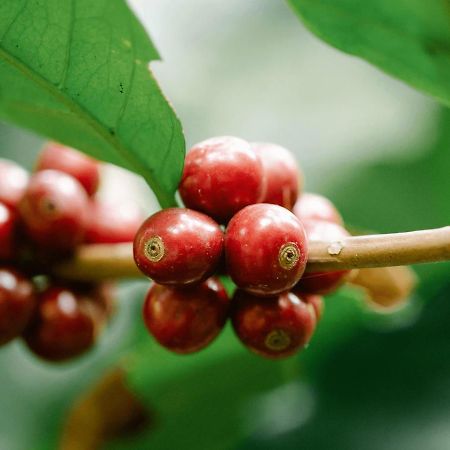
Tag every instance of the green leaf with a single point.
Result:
(77, 71)
(409, 39)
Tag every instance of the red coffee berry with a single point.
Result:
(54, 210)
(72, 162)
(178, 246)
(322, 282)
(274, 327)
(185, 320)
(316, 207)
(221, 176)
(265, 249)
(8, 226)
(63, 327)
(112, 223)
(13, 182)
(283, 177)
(316, 301)
(17, 303)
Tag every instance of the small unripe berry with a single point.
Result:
(72, 162)
(17, 303)
(221, 176)
(311, 207)
(8, 226)
(274, 327)
(112, 223)
(178, 246)
(13, 182)
(283, 177)
(63, 327)
(185, 320)
(54, 210)
(265, 249)
(322, 282)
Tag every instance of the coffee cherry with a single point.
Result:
(17, 303)
(221, 176)
(265, 249)
(274, 327)
(63, 327)
(54, 210)
(8, 225)
(112, 223)
(13, 182)
(316, 207)
(322, 282)
(185, 320)
(178, 246)
(72, 162)
(283, 176)
(316, 301)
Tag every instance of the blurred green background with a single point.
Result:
(379, 149)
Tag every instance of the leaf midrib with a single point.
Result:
(96, 125)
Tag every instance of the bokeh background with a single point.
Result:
(377, 148)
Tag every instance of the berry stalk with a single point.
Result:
(101, 261)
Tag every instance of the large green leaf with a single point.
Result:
(409, 39)
(77, 71)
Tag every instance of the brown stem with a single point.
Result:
(95, 262)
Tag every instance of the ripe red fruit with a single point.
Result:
(185, 320)
(221, 176)
(13, 182)
(316, 207)
(274, 327)
(322, 282)
(8, 225)
(112, 223)
(17, 303)
(63, 327)
(265, 249)
(283, 177)
(316, 301)
(54, 210)
(72, 162)
(178, 246)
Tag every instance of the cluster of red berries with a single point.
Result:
(245, 217)
(43, 218)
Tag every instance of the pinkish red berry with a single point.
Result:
(311, 207)
(274, 327)
(185, 320)
(17, 303)
(54, 211)
(8, 228)
(178, 246)
(112, 223)
(72, 162)
(13, 182)
(283, 177)
(221, 176)
(265, 249)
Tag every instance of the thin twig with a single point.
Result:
(95, 262)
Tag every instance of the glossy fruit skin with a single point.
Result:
(322, 283)
(185, 320)
(284, 179)
(17, 303)
(63, 326)
(178, 246)
(265, 249)
(8, 227)
(273, 327)
(112, 223)
(54, 211)
(72, 162)
(222, 175)
(13, 183)
(312, 207)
